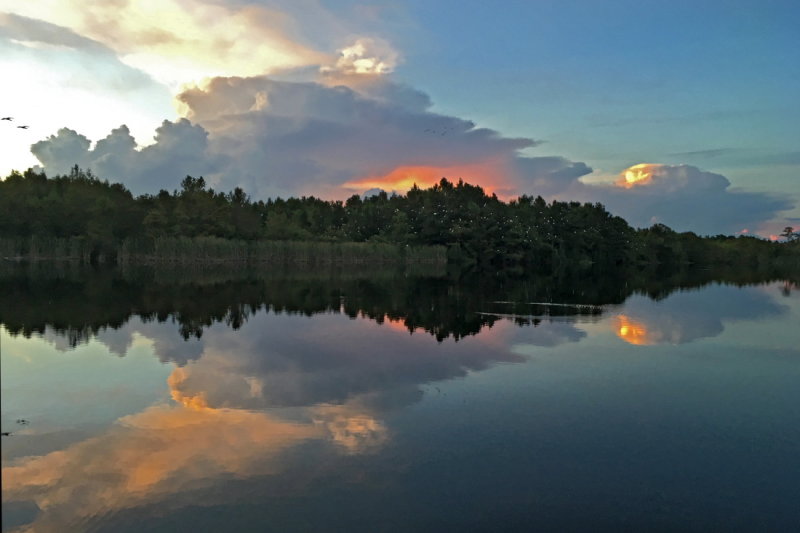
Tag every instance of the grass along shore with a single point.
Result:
(215, 250)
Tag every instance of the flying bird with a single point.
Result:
(23, 127)
(7, 118)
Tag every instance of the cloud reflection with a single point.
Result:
(686, 316)
(144, 457)
(167, 450)
(251, 396)
(286, 361)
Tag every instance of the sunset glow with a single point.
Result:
(640, 174)
(488, 175)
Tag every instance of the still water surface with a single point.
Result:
(397, 404)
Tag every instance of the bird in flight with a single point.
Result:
(7, 118)
(23, 127)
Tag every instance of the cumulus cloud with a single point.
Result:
(361, 62)
(181, 148)
(685, 198)
(276, 137)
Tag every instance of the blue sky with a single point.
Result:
(320, 97)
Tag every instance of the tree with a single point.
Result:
(790, 234)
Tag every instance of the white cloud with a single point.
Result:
(365, 59)
(684, 198)
(180, 148)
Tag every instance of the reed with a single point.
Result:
(38, 248)
(213, 250)
(181, 250)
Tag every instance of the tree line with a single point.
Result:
(475, 228)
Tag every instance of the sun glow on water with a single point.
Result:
(632, 331)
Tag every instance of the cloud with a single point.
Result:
(34, 33)
(180, 148)
(180, 40)
(683, 197)
(689, 199)
(285, 138)
(66, 59)
(362, 61)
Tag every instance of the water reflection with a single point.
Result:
(686, 316)
(272, 387)
(632, 331)
(150, 455)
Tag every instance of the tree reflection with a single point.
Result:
(78, 303)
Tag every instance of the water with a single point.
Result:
(354, 402)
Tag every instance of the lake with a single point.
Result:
(396, 401)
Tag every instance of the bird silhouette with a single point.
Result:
(23, 127)
(7, 118)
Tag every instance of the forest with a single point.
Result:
(82, 217)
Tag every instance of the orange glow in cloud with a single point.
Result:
(353, 430)
(640, 174)
(196, 402)
(490, 175)
(631, 331)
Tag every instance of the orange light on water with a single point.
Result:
(631, 331)
(197, 401)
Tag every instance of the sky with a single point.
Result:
(682, 113)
